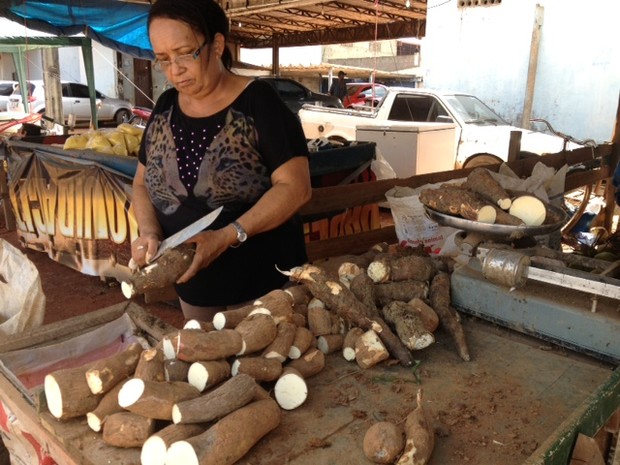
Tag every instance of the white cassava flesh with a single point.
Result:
(487, 214)
(131, 391)
(52, 391)
(153, 451)
(531, 210)
(205, 374)
(290, 390)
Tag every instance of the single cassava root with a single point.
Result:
(420, 436)
(154, 449)
(161, 273)
(104, 374)
(222, 400)
(440, 302)
(67, 393)
(126, 429)
(383, 442)
(409, 326)
(246, 425)
(154, 399)
(481, 181)
(193, 345)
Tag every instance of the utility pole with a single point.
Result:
(53, 88)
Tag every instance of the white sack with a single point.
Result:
(22, 302)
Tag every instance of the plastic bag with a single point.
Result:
(22, 302)
(413, 227)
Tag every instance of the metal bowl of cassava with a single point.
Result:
(555, 219)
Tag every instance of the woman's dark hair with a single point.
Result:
(203, 16)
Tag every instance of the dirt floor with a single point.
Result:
(70, 293)
(498, 408)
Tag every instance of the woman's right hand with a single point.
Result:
(144, 248)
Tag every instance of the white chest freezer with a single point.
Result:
(413, 150)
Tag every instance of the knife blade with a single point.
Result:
(187, 233)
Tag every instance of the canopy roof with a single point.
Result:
(121, 24)
(116, 24)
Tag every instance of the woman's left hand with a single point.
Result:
(209, 245)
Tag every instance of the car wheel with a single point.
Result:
(484, 159)
(122, 116)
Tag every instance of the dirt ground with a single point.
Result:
(70, 293)
(498, 408)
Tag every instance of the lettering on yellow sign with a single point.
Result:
(87, 206)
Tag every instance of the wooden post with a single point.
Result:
(514, 146)
(5, 200)
(531, 71)
(53, 89)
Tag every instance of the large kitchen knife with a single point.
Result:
(187, 233)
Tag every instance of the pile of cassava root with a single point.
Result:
(181, 401)
(481, 198)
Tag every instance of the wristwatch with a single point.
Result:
(242, 236)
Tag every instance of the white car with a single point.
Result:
(75, 101)
(422, 130)
(6, 89)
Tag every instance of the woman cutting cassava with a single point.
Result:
(218, 139)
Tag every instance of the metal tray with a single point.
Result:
(558, 219)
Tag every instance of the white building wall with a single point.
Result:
(485, 51)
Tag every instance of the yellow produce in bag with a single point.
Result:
(133, 144)
(99, 143)
(130, 129)
(117, 140)
(76, 142)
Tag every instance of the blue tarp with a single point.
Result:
(116, 24)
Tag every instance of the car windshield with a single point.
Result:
(473, 111)
(6, 88)
(379, 92)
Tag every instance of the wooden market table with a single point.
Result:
(519, 401)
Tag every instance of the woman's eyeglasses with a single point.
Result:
(181, 60)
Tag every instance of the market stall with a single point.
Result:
(518, 400)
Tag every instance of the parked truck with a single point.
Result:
(423, 130)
